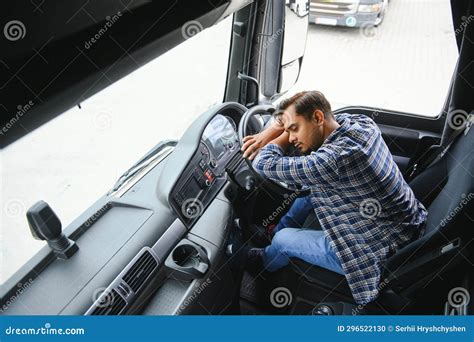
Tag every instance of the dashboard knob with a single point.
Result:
(213, 163)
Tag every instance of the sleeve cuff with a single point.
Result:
(274, 148)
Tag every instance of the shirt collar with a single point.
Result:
(344, 123)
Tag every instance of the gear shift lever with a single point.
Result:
(46, 226)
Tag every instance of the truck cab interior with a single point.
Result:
(167, 239)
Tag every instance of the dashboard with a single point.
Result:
(205, 175)
(133, 236)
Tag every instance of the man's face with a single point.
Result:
(306, 135)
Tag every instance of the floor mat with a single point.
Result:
(249, 288)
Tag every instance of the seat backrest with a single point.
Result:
(446, 188)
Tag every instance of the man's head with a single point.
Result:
(308, 119)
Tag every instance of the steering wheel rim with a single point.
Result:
(279, 187)
(245, 119)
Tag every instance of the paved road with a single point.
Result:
(405, 64)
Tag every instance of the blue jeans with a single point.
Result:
(295, 217)
(309, 245)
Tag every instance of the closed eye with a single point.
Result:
(292, 127)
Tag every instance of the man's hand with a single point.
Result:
(253, 143)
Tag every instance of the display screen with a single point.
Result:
(218, 134)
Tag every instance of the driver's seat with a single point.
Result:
(446, 188)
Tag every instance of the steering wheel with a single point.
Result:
(279, 187)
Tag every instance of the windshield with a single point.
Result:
(76, 158)
(404, 64)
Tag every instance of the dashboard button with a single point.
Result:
(209, 175)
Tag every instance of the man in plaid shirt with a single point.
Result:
(366, 209)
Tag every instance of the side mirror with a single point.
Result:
(294, 42)
(283, 42)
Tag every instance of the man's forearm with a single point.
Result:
(315, 168)
(282, 140)
(253, 143)
(275, 129)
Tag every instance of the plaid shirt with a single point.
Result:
(359, 196)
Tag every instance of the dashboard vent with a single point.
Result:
(126, 288)
(140, 271)
(110, 303)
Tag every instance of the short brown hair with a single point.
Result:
(306, 102)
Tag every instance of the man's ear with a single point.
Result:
(318, 116)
